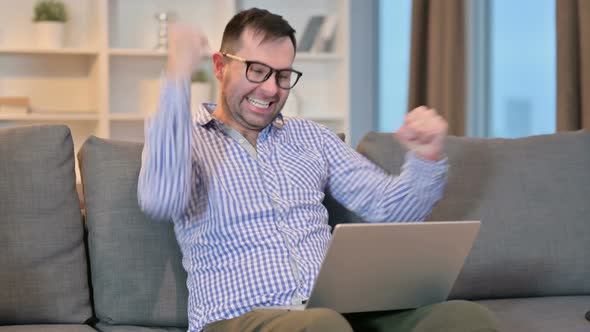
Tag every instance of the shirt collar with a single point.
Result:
(203, 116)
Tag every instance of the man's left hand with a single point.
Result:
(424, 132)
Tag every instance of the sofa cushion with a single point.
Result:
(136, 266)
(47, 328)
(544, 314)
(43, 271)
(129, 328)
(532, 195)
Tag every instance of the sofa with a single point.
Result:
(94, 261)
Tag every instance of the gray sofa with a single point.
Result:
(120, 271)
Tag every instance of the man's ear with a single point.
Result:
(218, 65)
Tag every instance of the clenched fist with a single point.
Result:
(424, 132)
(186, 47)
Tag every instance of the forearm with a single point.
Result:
(165, 176)
(364, 188)
(412, 195)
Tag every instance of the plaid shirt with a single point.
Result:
(250, 221)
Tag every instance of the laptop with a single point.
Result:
(389, 266)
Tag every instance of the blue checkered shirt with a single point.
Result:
(250, 221)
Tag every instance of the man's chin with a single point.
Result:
(260, 121)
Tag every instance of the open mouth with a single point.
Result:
(259, 103)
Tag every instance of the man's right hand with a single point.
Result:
(186, 47)
(424, 131)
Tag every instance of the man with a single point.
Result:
(244, 186)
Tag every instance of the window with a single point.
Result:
(394, 62)
(512, 81)
(522, 68)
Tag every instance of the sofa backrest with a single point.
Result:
(533, 198)
(531, 195)
(135, 262)
(43, 271)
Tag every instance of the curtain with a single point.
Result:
(573, 64)
(437, 60)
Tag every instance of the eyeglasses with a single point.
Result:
(258, 72)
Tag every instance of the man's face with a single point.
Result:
(251, 106)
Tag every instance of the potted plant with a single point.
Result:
(50, 17)
(200, 88)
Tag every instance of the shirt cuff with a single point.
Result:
(435, 171)
(172, 87)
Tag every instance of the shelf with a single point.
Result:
(303, 56)
(138, 52)
(307, 56)
(79, 116)
(48, 51)
(109, 74)
(127, 117)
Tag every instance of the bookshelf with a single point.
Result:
(105, 80)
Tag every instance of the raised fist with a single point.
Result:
(424, 131)
(186, 47)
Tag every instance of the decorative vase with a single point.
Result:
(200, 93)
(164, 19)
(50, 34)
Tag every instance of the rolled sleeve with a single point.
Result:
(364, 188)
(165, 175)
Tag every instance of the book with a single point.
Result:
(312, 28)
(14, 105)
(14, 101)
(325, 39)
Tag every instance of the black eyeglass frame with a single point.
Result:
(269, 74)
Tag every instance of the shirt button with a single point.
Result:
(241, 141)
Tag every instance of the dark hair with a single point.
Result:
(272, 26)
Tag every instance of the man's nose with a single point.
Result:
(270, 86)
